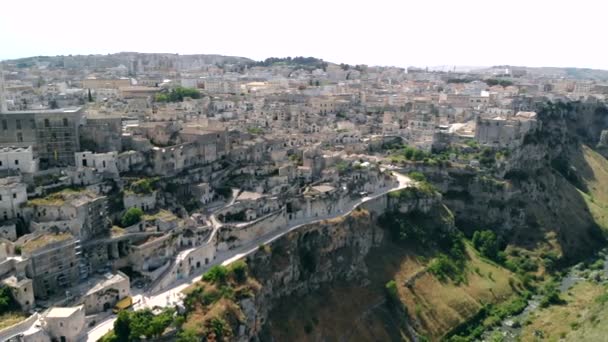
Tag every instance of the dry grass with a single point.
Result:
(596, 179)
(558, 321)
(11, 318)
(438, 307)
(343, 311)
(225, 308)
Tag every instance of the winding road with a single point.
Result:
(172, 296)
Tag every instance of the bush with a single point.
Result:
(219, 327)
(392, 296)
(443, 267)
(216, 274)
(239, 270)
(7, 302)
(417, 176)
(131, 217)
(177, 95)
(551, 296)
(143, 186)
(486, 243)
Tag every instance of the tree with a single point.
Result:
(141, 324)
(131, 217)
(122, 326)
(161, 322)
(486, 243)
(7, 302)
(188, 335)
(90, 96)
(217, 273)
(239, 269)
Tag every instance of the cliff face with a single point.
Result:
(536, 197)
(303, 261)
(327, 280)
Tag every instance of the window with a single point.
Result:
(32, 124)
(20, 137)
(14, 195)
(65, 122)
(16, 161)
(47, 123)
(18, 122)
(0, 197)
(4, 125)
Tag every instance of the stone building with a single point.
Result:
(53, 134)
(13, 196)
(54, 262)
(83, 214)
(504, 132)
(107, 291)
(65, 324)
(18, 158)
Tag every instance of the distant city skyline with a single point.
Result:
(410, 33)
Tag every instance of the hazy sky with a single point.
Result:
(378, 32)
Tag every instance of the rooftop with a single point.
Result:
(63, 312)
(59, 198)
(107, 280)
(44, 240)
(70, 110)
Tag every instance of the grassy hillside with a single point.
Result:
(581, 311)
(594, 173)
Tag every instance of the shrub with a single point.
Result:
(391, 292)
(417, 176)
(444, 267)
(239, 270)
(486, 243)
(131, 217)
(7, 302)
(550, 296)
(216, 274)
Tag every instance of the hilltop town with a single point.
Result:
(125, 177)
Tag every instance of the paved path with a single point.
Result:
(172, 295)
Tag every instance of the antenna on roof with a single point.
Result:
(3, 108)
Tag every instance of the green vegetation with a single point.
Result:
(551, 295)
(143, 186)
(460, 80)
(417, 176)
(493, 81)
(138, 325)
(430, 234)
(445, 267)
(421, 190)
(7, 302)
(391, 292)
(342, 167)
(255, 130)
(489, 316)
(309, 63)
(216, 274)
(177, 95)
(486, 243)
(131, 217)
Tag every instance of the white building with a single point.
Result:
(102, 162)
(65, 324)
(18, 158)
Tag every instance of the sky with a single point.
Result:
(379, 32)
